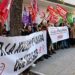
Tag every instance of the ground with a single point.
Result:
(61, 63)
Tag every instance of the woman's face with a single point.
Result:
(39, 28)
(29, 28)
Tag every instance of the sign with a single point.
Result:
(18, 53)
(58, 33)
(61, 11)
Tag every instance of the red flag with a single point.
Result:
(51, 10)
(61, 11)
(53, 19)
(53, 15)
(35, 5)
(33, 15)
(5, 11)
(34, 9)
(3, 5)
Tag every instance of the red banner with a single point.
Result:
(61, 11)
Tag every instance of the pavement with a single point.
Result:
(61, 63)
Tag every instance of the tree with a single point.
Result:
(15, 17)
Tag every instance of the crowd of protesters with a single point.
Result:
(52, 47)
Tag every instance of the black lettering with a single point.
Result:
(2, 53)
(10, 51)
(19, 64)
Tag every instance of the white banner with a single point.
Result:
(58, 33)
(18, 53)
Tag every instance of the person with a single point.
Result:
(39, 28)
(63, 43)
(49, 42)
(34, 27)
(43, 26)
(66, 41)
(56, 44)
(29, 30)
(69, 30)
(73, 34)
(24, 31)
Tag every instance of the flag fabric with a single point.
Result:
(61, 11)
(54, 19)
(51, 10)
(25, 18)
(5, 6)
(35, 5)
(33, 15)
(34, 11)
(42, 14)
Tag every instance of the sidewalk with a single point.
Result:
(61, 63)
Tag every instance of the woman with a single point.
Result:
(30, 30)
(24, 31)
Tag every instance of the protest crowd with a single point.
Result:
(31, 26)
(51, 47)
